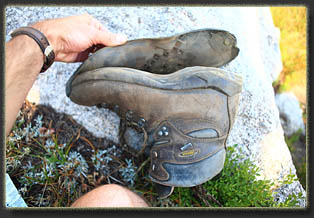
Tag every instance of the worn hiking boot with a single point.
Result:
(187, 115)
(205, 47)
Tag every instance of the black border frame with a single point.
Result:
(27, 212)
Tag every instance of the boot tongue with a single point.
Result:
(163, 191)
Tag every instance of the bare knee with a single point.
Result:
(110, 195)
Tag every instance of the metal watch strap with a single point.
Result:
(41, 40)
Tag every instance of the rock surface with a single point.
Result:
(290, 113)
(257, 129)
(133, 138)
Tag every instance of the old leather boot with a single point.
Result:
(187, 114)
(205, 47)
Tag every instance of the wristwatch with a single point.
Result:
(42, 41)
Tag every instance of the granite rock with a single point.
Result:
(290, 113)
(134, 139)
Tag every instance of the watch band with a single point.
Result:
(42, 41)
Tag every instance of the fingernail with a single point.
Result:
(121, 38)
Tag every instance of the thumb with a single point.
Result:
(109, 39)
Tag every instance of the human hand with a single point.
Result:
(73, 38)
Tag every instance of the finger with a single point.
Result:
(93, 22)
(103, 36)
(109, 39)
(96, 23)
(86, 15)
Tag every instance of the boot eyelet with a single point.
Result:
(155, 154)
(154, 167)
(129, 115)
(141, 122)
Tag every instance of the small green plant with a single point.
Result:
(301, 171)
(292, 199)
(235, 186)
(128, 173)
(184, 197)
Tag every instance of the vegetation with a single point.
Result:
(236, 186)
(49, 173)
(298, 154)
(292, 22)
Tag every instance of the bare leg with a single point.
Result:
(110, 195)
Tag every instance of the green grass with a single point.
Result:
(292, 24)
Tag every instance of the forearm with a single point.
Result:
(24, 60)
(71, 39)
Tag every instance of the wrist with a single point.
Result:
(49, 33)
(42, 42)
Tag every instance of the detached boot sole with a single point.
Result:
(205, 47)
(117, 85)
(187, 115)
(188, 78)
